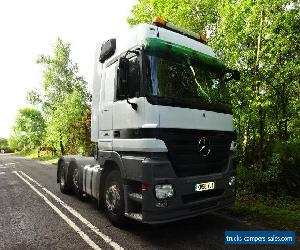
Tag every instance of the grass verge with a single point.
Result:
(281, 213)
(33, 154)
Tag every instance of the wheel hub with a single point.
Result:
(76, 178)
(112, 198)
(62, 177)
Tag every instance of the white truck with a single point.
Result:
(162, 121)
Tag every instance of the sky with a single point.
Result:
(30, 28)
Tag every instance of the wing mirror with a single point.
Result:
(123, 90)
(123, 77)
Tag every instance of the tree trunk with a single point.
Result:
(260, 111)
(62, 148)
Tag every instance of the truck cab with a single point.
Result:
(163, 125)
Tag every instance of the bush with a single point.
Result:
(286, 160)
(281, 176)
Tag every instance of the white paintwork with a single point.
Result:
(125, 116)
(139, 145)
(109, 114)
(138, 35)
(153, 125)
(105, 144)
(106, 238)
(84, 236)
(185, 118)
(151, 114)
(107, 96)
(96, 96)
(173, 37)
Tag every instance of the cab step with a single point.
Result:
(136, 197)
(134, 216)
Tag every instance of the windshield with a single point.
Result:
(185, 78)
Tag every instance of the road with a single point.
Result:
(35, 215)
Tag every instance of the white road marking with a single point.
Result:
(10, 163)
(28, 177)
(86, 238)
(3, 167)
(106, 238)
(2, 172)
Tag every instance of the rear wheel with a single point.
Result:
(114, 199)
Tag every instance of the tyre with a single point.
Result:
(64, 187)
(114, 199)
(76, 181)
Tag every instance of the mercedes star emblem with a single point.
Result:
(204, 147)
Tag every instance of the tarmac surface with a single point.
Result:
(34, 214)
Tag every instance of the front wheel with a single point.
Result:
(114, 199)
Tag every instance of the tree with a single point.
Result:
(71, 124)
(60, 78)
(3, 142)
(195, 15)
(264, 37)
(61, 84)
(29, 129)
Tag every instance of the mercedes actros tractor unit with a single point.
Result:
(163, 125)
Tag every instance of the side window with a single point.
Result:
(133, 77)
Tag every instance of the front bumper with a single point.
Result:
(186, 202)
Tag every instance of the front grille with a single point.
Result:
(183, 151)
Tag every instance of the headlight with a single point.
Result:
(164, 191)
(231, 181)
(233, 146)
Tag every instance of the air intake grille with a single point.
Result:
(183, 149)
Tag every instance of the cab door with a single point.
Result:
(107, 94)
(126, 117)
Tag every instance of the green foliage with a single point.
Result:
(33, 154)
(198, 16)
(4, 145)
(3, 142)
(64, 100)
(282, 212)
(60, 78)
(29, 129)
(71, 123)
(286, 159)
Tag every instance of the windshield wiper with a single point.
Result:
(200, 87)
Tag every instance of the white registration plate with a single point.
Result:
(204, 186)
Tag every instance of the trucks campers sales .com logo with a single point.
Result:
(204, 146)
